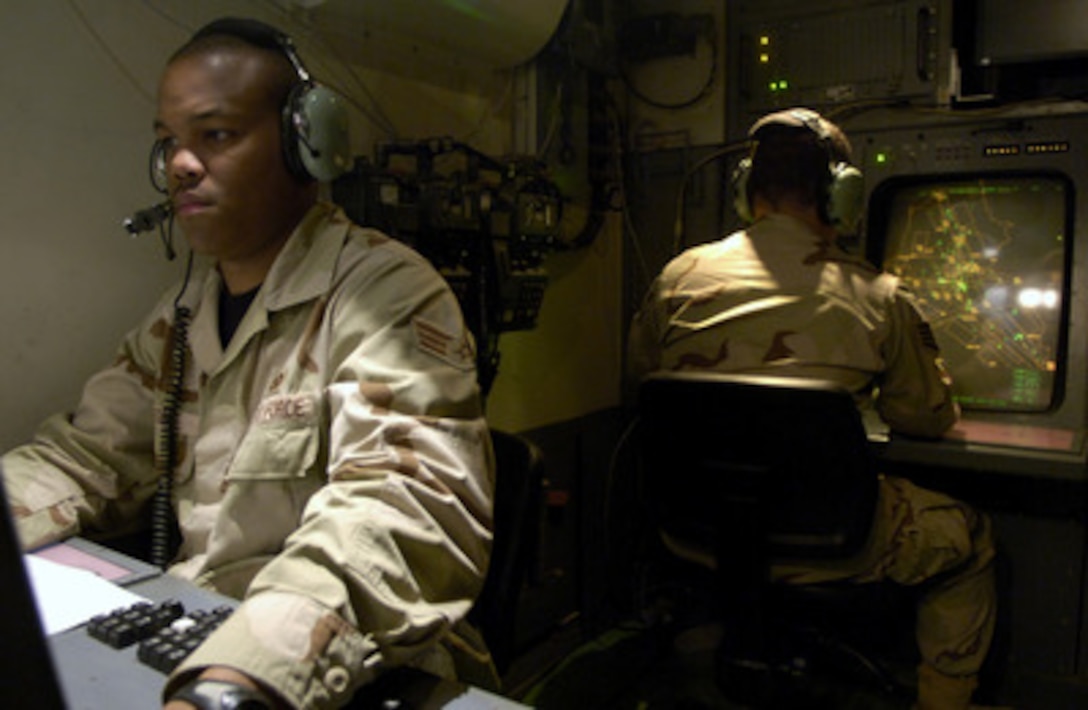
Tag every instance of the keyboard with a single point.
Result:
(165, 631)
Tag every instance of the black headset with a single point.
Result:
(314, 119)
(843, 203)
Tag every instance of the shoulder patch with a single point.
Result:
(433, 339)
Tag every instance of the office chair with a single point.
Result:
(518, 505)
(740, 470)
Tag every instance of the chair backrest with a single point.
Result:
(519, 467)
(715, 446)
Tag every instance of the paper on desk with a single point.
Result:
(67, 596)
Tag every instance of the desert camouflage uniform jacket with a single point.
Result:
(336, 470)
(778, 299)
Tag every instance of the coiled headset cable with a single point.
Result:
(164, 530)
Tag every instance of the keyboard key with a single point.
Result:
(169, 647)
(128, 625)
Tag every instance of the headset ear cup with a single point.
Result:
(845, 197)
(316, 137)
(289, 134)
(741, 199)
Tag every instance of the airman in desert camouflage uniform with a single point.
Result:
(335, 471)
(781, 298)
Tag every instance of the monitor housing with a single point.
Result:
(983, 218)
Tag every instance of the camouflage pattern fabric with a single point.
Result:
(777, 299)
(335, 473)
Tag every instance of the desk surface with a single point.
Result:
(94, 676)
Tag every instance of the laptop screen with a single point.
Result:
(27, 676)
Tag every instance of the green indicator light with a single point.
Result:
(881, 158)
(783, 84)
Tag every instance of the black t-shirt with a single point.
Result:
(232, 308)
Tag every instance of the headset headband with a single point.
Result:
(314, 119)
(258, 34)
(843, 201)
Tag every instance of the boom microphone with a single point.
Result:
(147, 219)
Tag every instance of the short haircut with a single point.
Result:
(793, 163)
(234, 35)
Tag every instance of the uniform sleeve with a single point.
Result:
(391, 552)
(93, 468)
(915, 394)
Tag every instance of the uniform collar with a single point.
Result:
(304, 268)
(779, 226)
(303, 271)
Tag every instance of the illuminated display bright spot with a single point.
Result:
(1030, 298)
(996, 297)
(1038, 298)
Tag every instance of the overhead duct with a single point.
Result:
(437, 39)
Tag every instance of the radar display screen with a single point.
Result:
(986, 259)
